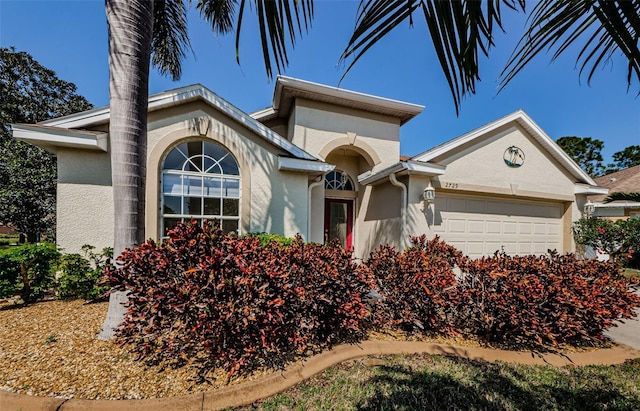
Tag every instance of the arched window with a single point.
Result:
(201, 180)
(338, 180)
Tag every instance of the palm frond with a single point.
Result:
(605, 27)
(619, 196)
(279, 23)
(459, 31)
(170, 40)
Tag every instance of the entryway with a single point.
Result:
(338, 221)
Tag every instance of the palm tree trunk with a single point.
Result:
(130, 25)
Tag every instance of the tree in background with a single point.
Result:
(30, 93)
(585, 151)
(629, 157)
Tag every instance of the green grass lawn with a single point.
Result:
(421, 382)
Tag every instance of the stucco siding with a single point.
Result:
(84, 200)
(316, 124)
(379, 220)
(482, 165)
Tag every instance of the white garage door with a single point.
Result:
(480, 225)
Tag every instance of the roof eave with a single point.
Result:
(408, 110)
(50, 138)
(590, 189)
(402, 167)
(182, 95)
(304, 166)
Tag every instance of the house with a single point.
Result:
(624, 181)
(323, 162)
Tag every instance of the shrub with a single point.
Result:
(534, 300)
(79, 276)
(266, 238)
(223, 301)
(620, 239)
(418, 285)
(27, 269)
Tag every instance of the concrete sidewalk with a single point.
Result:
(627, 333)
(251, 391)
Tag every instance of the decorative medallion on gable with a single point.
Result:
(513, 157)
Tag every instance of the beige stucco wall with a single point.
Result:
(480, 167)
(84, 200)
(271, 201)
(319, 128)
(380, 220)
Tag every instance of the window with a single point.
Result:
(338, 180)
(201, 180)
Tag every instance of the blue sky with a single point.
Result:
(70, 37)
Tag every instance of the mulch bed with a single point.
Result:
(50, 349)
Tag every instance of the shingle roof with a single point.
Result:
(626, 181)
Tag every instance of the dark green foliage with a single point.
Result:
(418, 285)
(628, 157)
(27, 270)
(535, 300)
(585, 151)
(30, 93)
(620, 239)
(230, 302)
(79, 276)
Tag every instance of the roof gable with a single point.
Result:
(287, 89)
(523, 120)
(98, 116)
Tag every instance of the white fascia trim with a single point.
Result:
(336, 92)
(264, 113)
(521, 117)
(174, 97)
(590, 190)
(60, 138)
(411, 166)
(465, 138)
(617, 205)
(296, 164)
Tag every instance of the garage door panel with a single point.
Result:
(482, 225)
(509, 227)
(475, 248)
(553, 229)
(540, 229)
(540, 248)
(525, 248)
(525, 228)
(457, 226)
(494, 227)
(476, 226)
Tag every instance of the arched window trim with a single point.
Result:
(228, 191)
(338, 180)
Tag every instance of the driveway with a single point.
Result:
(627, 333)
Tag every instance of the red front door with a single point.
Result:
(338, 221)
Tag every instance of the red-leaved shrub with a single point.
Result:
(230, 302)
(418, 285)
(534, 300)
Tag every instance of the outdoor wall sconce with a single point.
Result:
(589, 209)
(429, 194)
(429, 197)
